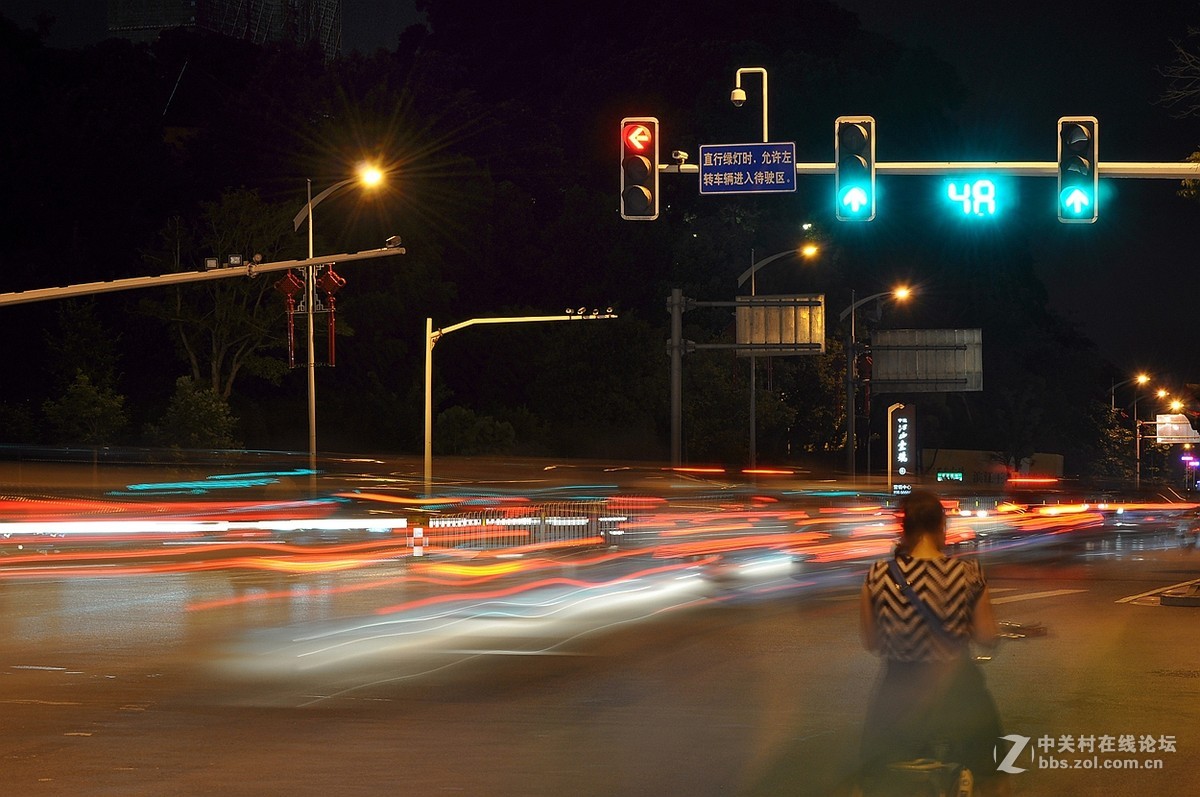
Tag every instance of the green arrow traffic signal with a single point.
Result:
(1078, 175)
(854, 199)
(854, 168)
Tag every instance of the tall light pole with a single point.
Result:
(1138, 423)
(370, 177)
(899, 294)
(1140, 379)
(807, 250)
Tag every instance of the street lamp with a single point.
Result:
(369, 176)
(1140, 379)
(808, 250)
(738, 95)
(1175, 406)
(899, 294)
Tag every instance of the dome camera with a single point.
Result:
(738, 97)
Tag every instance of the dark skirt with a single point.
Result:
(931, 710)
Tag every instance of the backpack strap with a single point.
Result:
(931, 620)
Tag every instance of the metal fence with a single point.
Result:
(529, 527)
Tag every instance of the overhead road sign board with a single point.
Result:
(1175, 429)
(926, 360)
(780, 325)
(765, 168)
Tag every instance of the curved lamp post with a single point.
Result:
(807, 250)
(1175, 406)
(899, 294)
(370, 177)
(1140, 379)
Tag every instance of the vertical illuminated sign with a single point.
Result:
(903, 467)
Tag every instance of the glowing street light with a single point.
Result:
(368, 176)
(900, 294)
(808, 251)
(1138, 380)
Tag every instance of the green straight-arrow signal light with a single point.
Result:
(854, 198)
(854, 168)
(1078, 172)
(1076, 201)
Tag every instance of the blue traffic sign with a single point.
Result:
(747, 168)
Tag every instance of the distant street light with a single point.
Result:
(899, 294)
(1175, 406)
(369, 176)
(1140, 379)
(808, 250)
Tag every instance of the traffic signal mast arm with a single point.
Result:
(1181, 170)
(180, 277)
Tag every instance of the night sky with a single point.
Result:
(366, 25)
(1127, 282)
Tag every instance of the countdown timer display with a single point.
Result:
(976, 198)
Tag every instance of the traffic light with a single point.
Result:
(854, 168)
(1077, 172)
(639, 168)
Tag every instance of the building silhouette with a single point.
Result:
(258, 21)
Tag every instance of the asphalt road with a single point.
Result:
(189, 684)
(222, 683)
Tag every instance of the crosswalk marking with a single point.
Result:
(1029, 596)
(1157, 591)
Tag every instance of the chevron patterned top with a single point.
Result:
(949, 586)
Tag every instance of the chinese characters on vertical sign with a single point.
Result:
(903, 456)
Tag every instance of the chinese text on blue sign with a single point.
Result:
(747, 168)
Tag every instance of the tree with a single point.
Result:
(462, 431)
(86, 414)
(224, 328)
(197, 417)
(1183, 76)
(82, 344)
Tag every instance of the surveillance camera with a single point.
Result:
(738, 97)
(680, 156)
(392, 243)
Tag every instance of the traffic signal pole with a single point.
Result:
(1147, 170)
(181, 277)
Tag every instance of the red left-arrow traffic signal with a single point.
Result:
(639, 168)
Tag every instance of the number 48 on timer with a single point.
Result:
(976, 198)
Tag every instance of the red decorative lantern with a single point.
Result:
(289, 286)
(331, 282)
